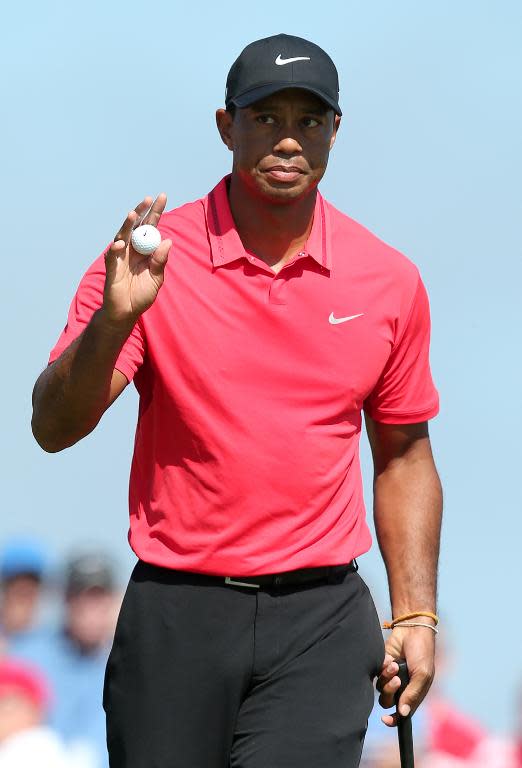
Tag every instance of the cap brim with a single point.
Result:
(86, 585)
(261, 92)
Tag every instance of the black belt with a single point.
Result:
(301, 576)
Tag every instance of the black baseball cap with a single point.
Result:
(282, 61)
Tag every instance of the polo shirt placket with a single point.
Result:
(226, 245)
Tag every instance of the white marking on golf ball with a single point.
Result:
(145, 239)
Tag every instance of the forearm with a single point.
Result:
(71, 394)
(408, 512)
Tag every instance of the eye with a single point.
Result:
(310, 122)
(265, 119)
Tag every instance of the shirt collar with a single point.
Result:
(226, 245)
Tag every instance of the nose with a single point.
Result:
(288, 145)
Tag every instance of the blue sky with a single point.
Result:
(107, 102)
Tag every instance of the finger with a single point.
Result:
(387, 697)
(126, 228)
(414, 692)
(125, 231)
(159, 258)
(156, 209)
(142, 210)
(387, 673)
(116, 249)
(389, 720)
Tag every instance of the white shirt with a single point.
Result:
(32, 747)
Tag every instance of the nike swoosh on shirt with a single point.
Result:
(334, 320)
(281, 61)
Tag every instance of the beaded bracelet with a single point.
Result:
(419, 624)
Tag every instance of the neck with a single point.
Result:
(274, 232)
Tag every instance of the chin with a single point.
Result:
(284, 193)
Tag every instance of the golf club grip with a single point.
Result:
(404, 728)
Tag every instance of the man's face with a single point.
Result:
(90, 616)
(280, 144)
(20, 601)
(17, 713)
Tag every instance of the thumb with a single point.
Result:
(414, 693)
(159, 258)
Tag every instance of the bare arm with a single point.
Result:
(71, 395)
(408, 513)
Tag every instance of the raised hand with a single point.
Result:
(132, 281)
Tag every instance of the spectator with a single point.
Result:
(24, 741)
(452, 733)
(74, 656)
(22, 566)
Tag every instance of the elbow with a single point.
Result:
(47, 431)
(45, 427)
(39, 423)
(54, 437)
(45, 440)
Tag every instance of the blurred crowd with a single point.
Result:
(56, 631)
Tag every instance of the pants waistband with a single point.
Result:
(300, 576)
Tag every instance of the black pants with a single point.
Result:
(206, 675)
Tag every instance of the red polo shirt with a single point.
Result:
(251, 384)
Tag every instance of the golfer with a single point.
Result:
(257, 334)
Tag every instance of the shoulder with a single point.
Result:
(39, 647)
(356, 246)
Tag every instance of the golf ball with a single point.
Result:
(145, 239)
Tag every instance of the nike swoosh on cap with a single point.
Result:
(334, 320)
(282, 61)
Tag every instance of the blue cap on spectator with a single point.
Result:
(22, 556)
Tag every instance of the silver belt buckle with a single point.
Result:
(228, 580)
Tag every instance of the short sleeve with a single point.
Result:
(405, 392)
(87, 299)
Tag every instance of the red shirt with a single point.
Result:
(251, 384)
(452, 732)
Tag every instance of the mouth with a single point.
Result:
(283, 173)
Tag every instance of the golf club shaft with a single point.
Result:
(404, 728)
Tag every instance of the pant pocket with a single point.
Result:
(376, 649)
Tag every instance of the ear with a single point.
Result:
(336, 125)
(224, 122)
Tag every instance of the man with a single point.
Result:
(22, 569)
(24, 739)
(246, 636)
